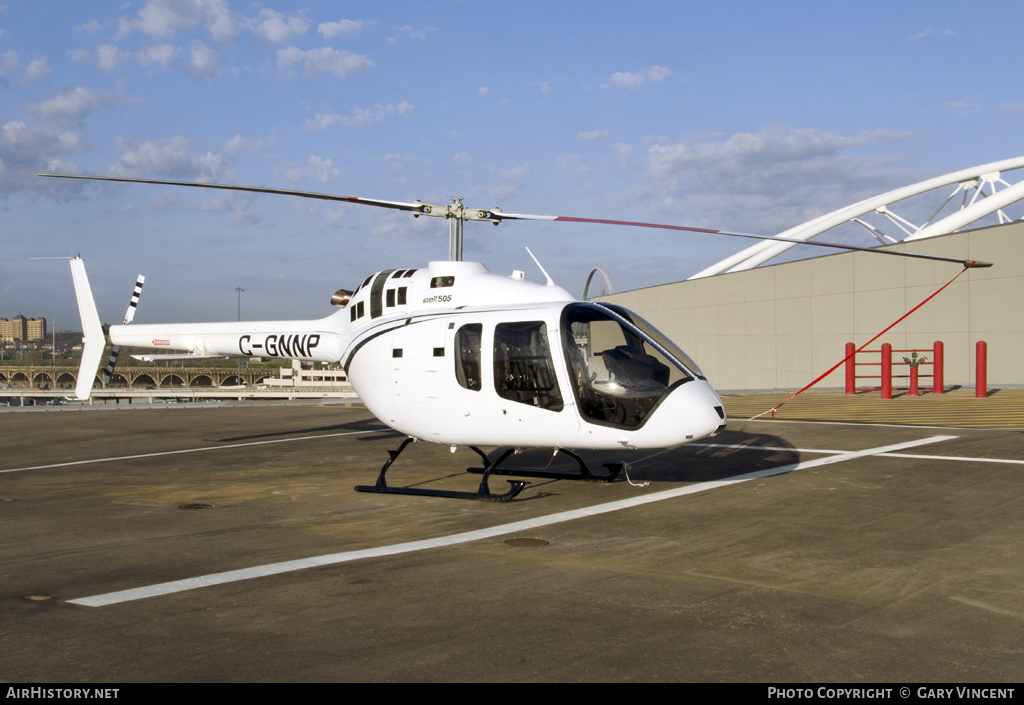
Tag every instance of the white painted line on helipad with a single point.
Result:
(952, 457)
(968, 459)
(192, 450)
(231, 576)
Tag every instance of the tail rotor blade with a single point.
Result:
(115, 352)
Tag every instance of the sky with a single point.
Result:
(744, 116)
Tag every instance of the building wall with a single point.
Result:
(780, 326)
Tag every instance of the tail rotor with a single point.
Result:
(128, 316)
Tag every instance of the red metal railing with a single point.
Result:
(936, 363)
(934, 359)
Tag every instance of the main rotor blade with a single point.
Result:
(495, 215)
(567, 219)
(415, 207)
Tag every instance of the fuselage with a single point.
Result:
(454, 354)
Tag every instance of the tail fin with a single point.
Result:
(92, 330)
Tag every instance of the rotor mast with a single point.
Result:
(456, 221)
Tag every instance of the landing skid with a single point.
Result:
(484, 493)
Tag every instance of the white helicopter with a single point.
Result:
(453, 354)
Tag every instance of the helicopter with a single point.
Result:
(453, 354)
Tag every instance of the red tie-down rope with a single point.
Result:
(841, 362)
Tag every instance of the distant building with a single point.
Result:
(21, 328)
(35, 329)
(298, 376)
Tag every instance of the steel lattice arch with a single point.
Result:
(982, 190)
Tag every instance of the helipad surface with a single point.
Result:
(779, 551)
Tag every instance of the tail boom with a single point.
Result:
(301, 340)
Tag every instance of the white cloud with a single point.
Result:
(593, 135)
(409, 32)
(172, 158)
(963, 106)
(203, 61)
(323, 60)
(38, 70)
(26, 151)
(360, 117)
(931, 33)
(511, 179)
(240, 145)
(317, 168)
(91, 27)
(9, 62)
(766, 181)
(632, 81)
(482, 91)
(68, 106)
(626, 80)
(345, 28)
(109, 57)
(658, 73)
(396, 162)
(274, 27)
(164, 18)
(161, 54)
(516, 174)
(574, 163)
(21, 143)
(622, 150)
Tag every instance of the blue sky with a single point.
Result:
(746, 116)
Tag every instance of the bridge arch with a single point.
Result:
(42, 380)
(171, 380)
(143, 379)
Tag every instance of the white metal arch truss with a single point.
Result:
(980, 196)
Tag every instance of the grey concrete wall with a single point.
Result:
(780, 326)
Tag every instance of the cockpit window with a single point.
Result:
(523, 369)
(660, 338)
(618, 375)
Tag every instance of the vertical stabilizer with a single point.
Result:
(92, 330)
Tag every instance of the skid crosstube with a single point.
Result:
(484, 493)
(584, 472)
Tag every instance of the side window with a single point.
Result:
(467, 356)
(523, 370)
